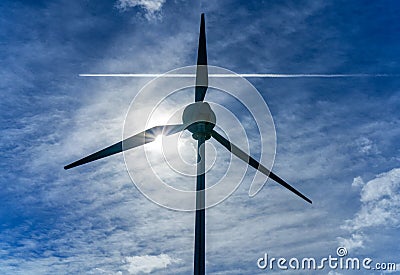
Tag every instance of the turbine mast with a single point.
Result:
(200, 223)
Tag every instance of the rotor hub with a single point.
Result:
(200, 118)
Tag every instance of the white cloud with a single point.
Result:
(152, 7)
(380, 204)
(383, 187)
(147, 264)
(392, 271)
(358, 182)
(355, 241)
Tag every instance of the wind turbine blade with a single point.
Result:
(252, 162)
(141, 138)
(202, 71)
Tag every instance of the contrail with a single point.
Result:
(244, 75)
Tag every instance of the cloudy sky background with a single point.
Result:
(337, 138)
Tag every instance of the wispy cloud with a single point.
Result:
(366, 146)
(152, 8)
(147, 264)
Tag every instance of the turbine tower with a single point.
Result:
(200, 120)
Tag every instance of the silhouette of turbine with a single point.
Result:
(200, 120)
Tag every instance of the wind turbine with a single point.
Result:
(200, 120)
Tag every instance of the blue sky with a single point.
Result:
(337, 138)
